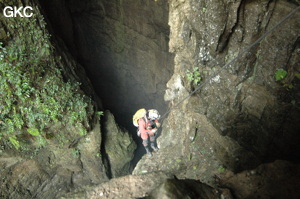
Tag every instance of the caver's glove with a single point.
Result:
(157, 124)
(153, 130)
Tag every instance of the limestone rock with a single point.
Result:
(65, 157)
(187, 189)
(242, 117)
(244, 102)
(279, 179)
(130, 186)
(54, 170)
(93, 170)
(119, 146)
(191, 148)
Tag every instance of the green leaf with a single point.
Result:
(221, 169)
(33, 131)
(13, 140)
(100, 113)
(297, 75)
(280, 74)
(195, 76)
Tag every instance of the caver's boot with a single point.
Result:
(154, 147)
(148, 152)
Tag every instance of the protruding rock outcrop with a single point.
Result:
(118, 147)
(53, 170)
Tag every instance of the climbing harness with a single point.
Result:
(233, 60)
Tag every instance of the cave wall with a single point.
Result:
(64, 150)
(242, 117)
(124, 48)
(43, 89)
(244, 102)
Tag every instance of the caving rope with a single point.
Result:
(233, 60)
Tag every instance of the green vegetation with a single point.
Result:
(14, 142)
(221, 169)
(281, 76)
(194, 76)
(98, 154)
(76, 152)
(143, 171)
(33, 93)
(203, 151)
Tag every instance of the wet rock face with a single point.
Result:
(244, 102)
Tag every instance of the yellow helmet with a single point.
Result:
(139, 114)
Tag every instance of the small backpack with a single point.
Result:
(139, 114)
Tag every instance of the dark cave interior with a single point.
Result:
(124, 50)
